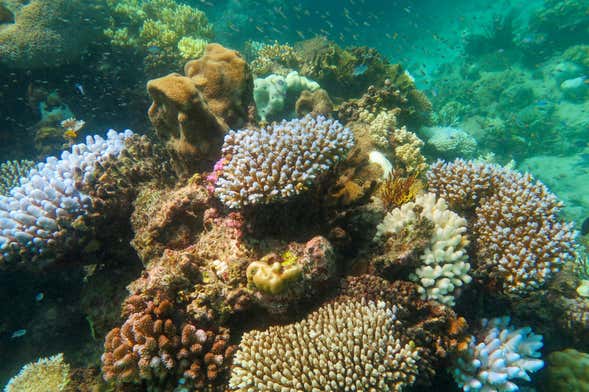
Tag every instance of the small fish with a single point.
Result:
(542, 102)
(360, 70)
(18, 334)
(39, 297)
(79, 88)
(154, 49)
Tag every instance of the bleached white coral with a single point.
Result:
(445, 265)
(344, 346)
(502, 354)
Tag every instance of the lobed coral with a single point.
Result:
(192, 113)
(45, 374)
(443, 268)
(347, 345)
(37, 215)
(156, 344)
(499, 356)
(11, 172)
(520, 240)
(280, 161)
(568, 370)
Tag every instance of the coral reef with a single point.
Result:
(519, 238)
(443, 267)
(192, 113)
(567, 370)
(315, 103)
(276, 95)
(38, 37)
(342, 334)
(38, 214)
(11, 173)
(449, 143)
(500, 355)
(274, 58)
(288, 158)
(167, 32)
(152, 344)
(46, 374)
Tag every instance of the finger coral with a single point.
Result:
(279, 161)
(520, 240)
(38, 213)
(347, 345)
(11, 172)
(499, 356)
(155, 344)
(46, 374)
(443, 267)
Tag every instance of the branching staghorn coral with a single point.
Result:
(444, 267)
(46, 374)
(11, 172)
(347, 345)
(36, 216)
(520, 240)
(500, 355)
(279, 161)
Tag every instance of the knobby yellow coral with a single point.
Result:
(273, 276)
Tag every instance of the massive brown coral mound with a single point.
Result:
(192, 113)
(47, 33)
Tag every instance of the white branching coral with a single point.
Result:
(344, 346)
(500, 355)
(521, 241)
(46, 374)
(279, 161)
(444, 264)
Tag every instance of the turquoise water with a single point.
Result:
(295, 196)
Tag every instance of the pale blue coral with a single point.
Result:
(35, 215)
(501, 356)
(279, 161)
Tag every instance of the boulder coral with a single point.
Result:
(48, 33)
(192, 113)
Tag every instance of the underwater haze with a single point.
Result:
(294, 196)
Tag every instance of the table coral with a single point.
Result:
(443, 267)
(520, 240)
(342, 346)
(280, 161)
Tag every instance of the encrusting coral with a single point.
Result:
(279, 161)
(347, 345)
(520, 240)
(316, 103)
(46, 374)
(499, 356)
(443, 267)
(192, 113)
(568, 370)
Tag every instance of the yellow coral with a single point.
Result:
(46, 375)
(407, 147)
(192, 48)
(272, 276)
